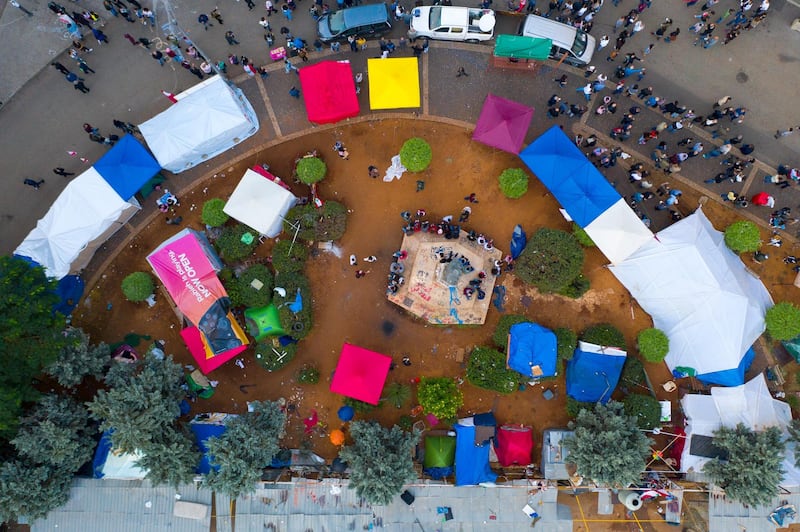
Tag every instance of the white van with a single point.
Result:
(577, 45)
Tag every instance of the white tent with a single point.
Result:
(208, 119)
(85, 214)
(260, 203)
(750, 404)
(618, 232)
(701, 295)
(122, 466)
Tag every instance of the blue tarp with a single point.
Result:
(566, 172)
(531, 345)
(202, 432)
(69, 290)
(594, 372)
(472, 462)
(101, 454)
(127, 166)
(518, 241)
(728, 377)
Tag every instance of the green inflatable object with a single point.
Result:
(263, 322)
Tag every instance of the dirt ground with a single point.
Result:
(347, 309)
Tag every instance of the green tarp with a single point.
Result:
(519, 47)
(440, 451)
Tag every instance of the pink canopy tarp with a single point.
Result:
(503, 124)
(514, 445)
(360, 374)
(193, 339)
(329, 92)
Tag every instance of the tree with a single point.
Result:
(752, 471)
(138, 286)
(486, 368)
(326, 223)
(380, 460)
(296, 324)
(783, 321)
(551, 260)
(566, 342)
(213, 214)
(142, 403)
(582, 236)
(170, 460)
(30, 335)
(31, 491)
(311, 170)
(644, 408)
(233, 245)
(439, 396)
(743, 236)
(653, 344)
(79, 359)
(244, 293)
(416, 154)
(272, 356)
(289, 257)
(248, 445)
(607, 446)
(55, 434)
(308, 375)
(396, 394)
(604, 334)
(513, 183)
(501, 332)
(794, 437)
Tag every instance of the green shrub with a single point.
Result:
(632, 372)
(296, 325)
(272, 356)
(308, 375)
(359, 407)
(575, 290)
(783, 321)
(416, 154)
(439, 396)
(743, 236)
(604, 334)
(327, 223)
(513, 183)
(230, 245)
(653, 344)
(487, 369)
(551, 260)
(243, 293)
(138, 286)
(288, 257)
(645, 408)
(311, 170)
(582, 236)
(566, 342)
(500, 336)
(405, 422)
(793, 402)
(213, 215)
(396, 394)
(574, 407)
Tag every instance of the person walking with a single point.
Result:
(270, 8)
(60, 171)
(79, 86)
(61, 68)
(250, 5)
(158, 56)
(784, 132)
(231, 38)
(32, 183)
(100, 36)
(294, 92)
(202, 18)
(215, 14)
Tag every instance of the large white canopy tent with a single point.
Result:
(260, 203)
(702, 296)
(750, 404)
(86, 213)
(208, 119)
(618, 232)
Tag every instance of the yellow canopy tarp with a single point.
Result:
(393, 83)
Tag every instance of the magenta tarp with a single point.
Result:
(503, 124)
(329, 92)
(360, 374)
(514, 445)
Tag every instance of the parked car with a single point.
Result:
(452, 23)
(577, 45)
(368, 20)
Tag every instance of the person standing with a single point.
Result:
(250, 5)
(32, 183)
(79, 86)
(215, 14)
(100, 36)
(270, 8)
(231, 38)
(784, 132)
(158, 56)
(202, 18)
(60, 171)
(61, 68)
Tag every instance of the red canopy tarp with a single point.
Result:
(503, 124)
(360, 374)
(329, 92)
(514, 445)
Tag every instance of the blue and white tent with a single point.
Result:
(532, 350)
(127, 167)
(594, 372)
(586, 194)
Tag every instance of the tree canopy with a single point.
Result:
(248, 445)
(607, 446)
(551, 260)
(79, 359)
(752, 471)
(380, 460)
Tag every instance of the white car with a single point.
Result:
(451, 23)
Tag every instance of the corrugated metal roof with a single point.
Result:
(122, 506)
(725, 514)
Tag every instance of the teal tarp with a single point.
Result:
(520, 47)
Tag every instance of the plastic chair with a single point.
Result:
(669, 386)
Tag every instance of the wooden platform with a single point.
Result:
(434, 291)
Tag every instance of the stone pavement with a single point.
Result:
(41, 122)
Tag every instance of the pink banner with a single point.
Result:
(188, 276)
